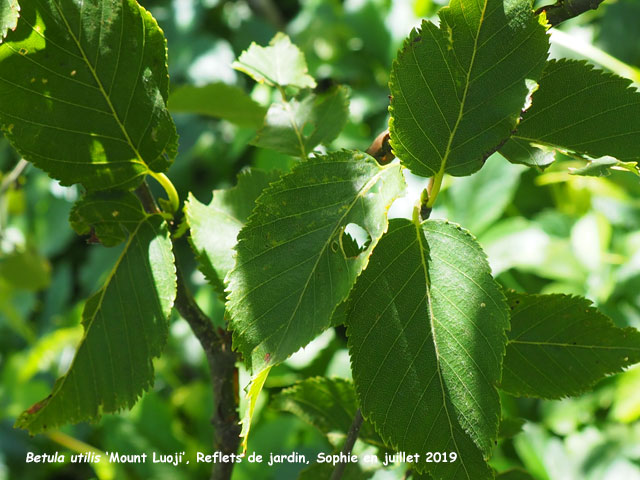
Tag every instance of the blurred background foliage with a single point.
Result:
(544, 231)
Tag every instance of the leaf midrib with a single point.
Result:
(452, 135)
(364, 189)
(431, 321)
(88, 323)
(101, 86)
(542, 343)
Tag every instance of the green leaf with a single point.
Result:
(560, 346)
(601, 167)
(327, 404)
(125, 325)
(457, 91)
(215, 227)
(426, 328)
(218, 100)
(253, 392)
(291, 271)
(583, 110)
(110, 214)
(297, 126)
(85, 100)
(25, 269)
(519, 151)
(9, 15)
(279, 64)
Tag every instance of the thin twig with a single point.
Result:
(216, 344)
(224, 377)
(146, 198)
(7, 180)
(563, 10)
(13, 175)
(352, 436)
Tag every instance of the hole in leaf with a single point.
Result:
(355, 240)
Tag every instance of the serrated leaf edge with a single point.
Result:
(26, 418)
(267, 191)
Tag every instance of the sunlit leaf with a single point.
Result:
(297, 126)
(580, 109)
(9, 15)
(458, 89)
(125, 326)
(291, 269)
(215, 227)
(601, 167)
(86, 102)
(280, 63)
(426, 327)
(560, 346)
(253, 392)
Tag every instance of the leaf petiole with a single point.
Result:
(172, 193)
(434, 187)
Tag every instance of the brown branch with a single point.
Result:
(563, 10)
(224, 377)
(146, 198)
(352, 436)
(216, 344)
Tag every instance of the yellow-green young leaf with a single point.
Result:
(298, 126)
(601, 167)
(111, 215)
(218, 100)
(9, 15)
(125, 326)
(426, 327)
(253, 392)
(291, 268)
(561, 346)
(281, 63)
(457, 91)
(84, 99)
(215, 227)
(329, 404)
(580, 109)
